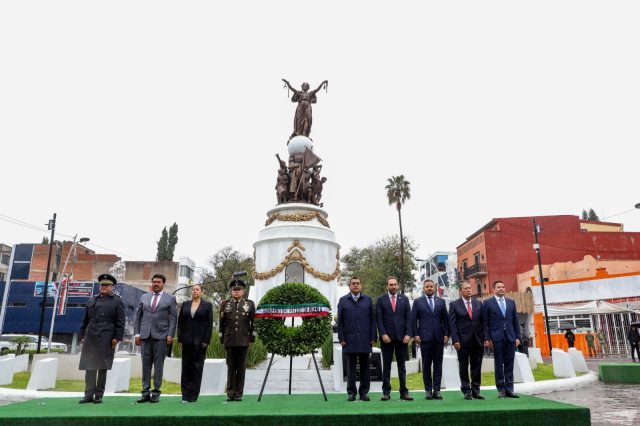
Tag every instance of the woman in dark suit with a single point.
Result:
(195, 322)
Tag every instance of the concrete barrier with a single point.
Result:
(536, 354)
(410, 367)
(450, 372)
(577, 359)
(172, 370)
(21, 364)
(119, 375)
(6, 369)
(562, 366)
(67, 365)
(214, 377)
(43, 374)
(522, 369)
(337, 367)
(533, 363)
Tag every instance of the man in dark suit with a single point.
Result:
(154, 327)
(501, 330)
(467, 336)
(430, 324)
(195, 323)
(356, 333)
(236, 334)
(393, 316)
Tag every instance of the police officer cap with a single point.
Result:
(237, 283)
(106, 279)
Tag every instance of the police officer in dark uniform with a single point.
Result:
(101, 330)
(236, 334)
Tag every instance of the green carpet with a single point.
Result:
(619, 373)
(305, 410)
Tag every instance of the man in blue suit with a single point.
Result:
(430, 324)
(393, 316)
(501, 330)
(356, 333)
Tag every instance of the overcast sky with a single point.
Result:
(124, 117)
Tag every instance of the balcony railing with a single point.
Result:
(477, 270)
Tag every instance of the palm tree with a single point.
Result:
(399, 191)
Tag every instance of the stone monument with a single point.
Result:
(297, 243)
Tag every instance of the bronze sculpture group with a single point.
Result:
(299, 181)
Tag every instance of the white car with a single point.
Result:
(7, 343)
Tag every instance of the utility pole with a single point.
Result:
(536, 247)
(52, 227)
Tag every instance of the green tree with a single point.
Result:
(167, 243)
(222, 265)
(162, 245)
(584, 215)
(374, 263)
(593, 216)
(45, 240)
(398, 192)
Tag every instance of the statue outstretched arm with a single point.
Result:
(324, 83)
(289, 86)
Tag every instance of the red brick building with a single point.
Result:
(86, 264)
(503, 248)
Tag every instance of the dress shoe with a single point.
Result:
(365, 398)
(385, 397)
(237, 398)
(406, 398)
(501, 395)
(154, 399)
(477, 396)
(511, 395)
(351, 398)
(146, 398)
(437, 395)
(86, 400)
(97, 400)
(429, 396)
(468, 396)
(230, 399)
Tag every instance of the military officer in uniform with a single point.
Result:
(101, 330)
(236, 334)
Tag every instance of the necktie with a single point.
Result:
(154, 303)
(431, 303)
(469, 309)
(393, 302)
(355, 299)
(502, 307)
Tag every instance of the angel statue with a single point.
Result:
(304, 98)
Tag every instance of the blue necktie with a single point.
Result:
(431, 303)
(502, 307)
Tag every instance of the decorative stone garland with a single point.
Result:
(297, 217)
(297, 256)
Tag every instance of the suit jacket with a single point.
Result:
(197, 330)
(498, 327)
(356, 323)
(158, 324)
(465, 330)
(430, 324)
(236, 323)
(396, 324)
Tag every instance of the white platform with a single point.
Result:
(522, 369)
(7, 365)
(214, 377)
(577, 359)
(536, 354)
(119, 376)
(562, 365)
(43, 374)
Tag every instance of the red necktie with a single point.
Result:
(393, 302)
(155, 302)
(469, 309)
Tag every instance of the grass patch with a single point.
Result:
(543, 372)
(20, 381)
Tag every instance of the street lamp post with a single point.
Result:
(61, 287)
(52, 227)
(536, 247)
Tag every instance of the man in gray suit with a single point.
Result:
(154, 328)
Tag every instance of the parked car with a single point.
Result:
(7, 343)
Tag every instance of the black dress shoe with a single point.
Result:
(154, 399)
(429, 396)
(501, 395)
(230, 399)
(86, 400)
(351, 398)
(97, 400)
(437, 395)
(406, 398)
(144, 399)
(365, 398)
(237, 398)
(511, 395)
(468, 396)
(385, 397)
(477, 396)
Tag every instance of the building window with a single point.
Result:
(582, 323)
(186, 272)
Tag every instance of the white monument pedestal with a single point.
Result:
(214, 377)
(522, 369)
(43, 374)
(7, 363)
(577, 359)
(119, 375)
(450, 372)
(172, 370)
(562, 365)
(296, 233)
(536, 354)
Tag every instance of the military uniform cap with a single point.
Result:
(106, 279)
(237, 283)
